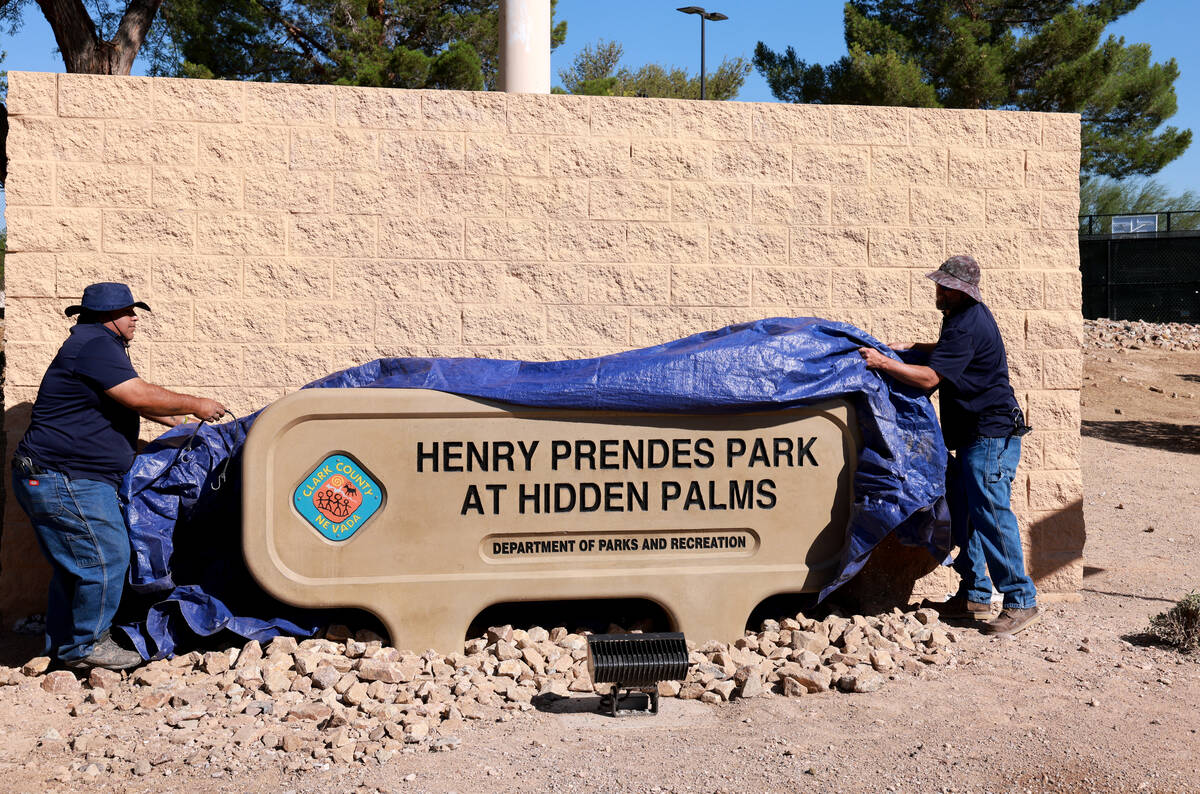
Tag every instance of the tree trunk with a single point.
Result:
(82, 48)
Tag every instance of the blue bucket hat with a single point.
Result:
(107, 296)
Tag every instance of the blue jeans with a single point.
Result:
(979, 481)
(81, 531)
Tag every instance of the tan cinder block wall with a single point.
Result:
(281, 232)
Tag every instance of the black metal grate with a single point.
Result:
(637, 659)
(1155, 278)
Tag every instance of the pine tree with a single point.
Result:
(595, 71)
(1044, 55)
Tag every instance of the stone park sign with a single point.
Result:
(425, 508)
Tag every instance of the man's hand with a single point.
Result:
(208, 410)
(873, 358)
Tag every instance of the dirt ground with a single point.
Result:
(1081, 702)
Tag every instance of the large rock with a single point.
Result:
(812, 680)
(36, 666)
(61, 682)
(375, 670)
(99, 678)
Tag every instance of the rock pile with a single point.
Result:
(1138, 335)
(350, 699)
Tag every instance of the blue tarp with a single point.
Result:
(183, 495)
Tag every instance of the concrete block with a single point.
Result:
(376, 194)
(549, 114)
(947, 206)
(30, 184)
(938, 127)
(386, 281)
(590, 158)
(987, 168)
(289, 277)
(1055, 490)
(36, 320)
(792, 286)
(171, 321)
(76, 271)
(917, 248)
(54, 139)
(654, 325)
(196, 276)
(1025, 369)
(1060, 209)
(246, 233)
(753, 162)
(150, 142)
(882, 126)
(1063, 289)
(30, 275)
(1054, 410)
(239, 320)
(289, 104)
(713, 121)
(243, 145)
(907, 165)
(587, 241)
(1014, 209)
(421, 152)
(585, 325)
(898, 326)
(667, 242)
(791, 123)
(630, 285)
(1007, 129)
(471, 111)
(339, 235)
(629, 200)
(326, 322)
(1052, 170)
(1060, 132)
(376, 108)
(421, 323)
(1050, 250)
(510, 155)
(1060, 450)
(798, 205)
(720, 201)
(25, 364)
(829, 247)
(49, 229)
(334, 150)
(207, 188)
(748, 245)
(32, 94)
(835, 165)
(188, 364)
(1012, 327)
(268, 190)
(1064, 369)
(503, 325)
(448, 195)
(991, 248)
(546, 198)
(209, 101)
(504, 239)
(874, 206)
(659, 159)
(286, 365)
(638, 117)
(420, 237)
(873, 289)
(710, 286)
(97, 96)
(1012, 289)
(1054, 330)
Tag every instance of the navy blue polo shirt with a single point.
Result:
(976, 397)
(76, 428)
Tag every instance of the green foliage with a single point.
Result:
(389, 43)
(595, 71)
(1044, 55)
(1134, 197)
(1179, 626)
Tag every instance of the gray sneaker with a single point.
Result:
(107, 654)
(1012, 620)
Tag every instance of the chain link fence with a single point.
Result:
(1153, 277)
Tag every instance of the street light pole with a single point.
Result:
(714, 16)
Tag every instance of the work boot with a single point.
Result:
(107, 654)
(1012, 620)
(959, 607)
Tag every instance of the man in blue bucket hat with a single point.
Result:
(982, 425)
(80, 442)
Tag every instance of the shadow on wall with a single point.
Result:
(898, 575)
(1159, 435)
(24, 573)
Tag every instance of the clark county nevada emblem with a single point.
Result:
(337, 497)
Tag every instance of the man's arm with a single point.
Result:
(155, 402)
(918, 347)
(911, 374)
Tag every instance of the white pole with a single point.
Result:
(525, 46)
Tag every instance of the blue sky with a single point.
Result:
(653, 31)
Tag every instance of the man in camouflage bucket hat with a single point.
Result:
(982, 425)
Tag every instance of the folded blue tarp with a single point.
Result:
(183, 495)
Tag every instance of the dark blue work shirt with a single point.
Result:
(976, 397)
(76, 428)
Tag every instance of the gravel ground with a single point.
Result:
(1080, 702)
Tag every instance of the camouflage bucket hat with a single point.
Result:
(959, 272)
